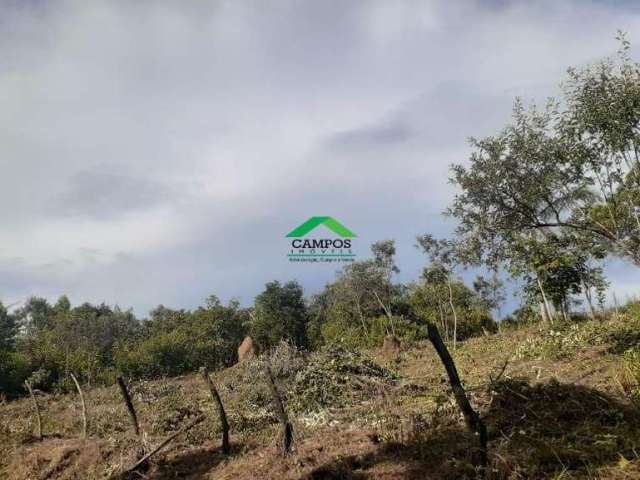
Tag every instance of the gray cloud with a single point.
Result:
(370, 137)
(103, 195)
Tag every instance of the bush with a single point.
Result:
(14, 370)
(163, 354)
(522, 316)
(474, 323)
(631, 310)
(632, 367)
(338, 332)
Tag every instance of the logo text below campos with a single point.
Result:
(327, 249)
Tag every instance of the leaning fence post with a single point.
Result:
(36, 409)
(223, 415)
(287, 428)
(84, 406)
(472, 418)
(166, 441)
(129, 404)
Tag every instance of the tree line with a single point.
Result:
(45, 343)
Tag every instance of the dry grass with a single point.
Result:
(550, 414)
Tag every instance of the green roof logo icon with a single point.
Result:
(329, 222)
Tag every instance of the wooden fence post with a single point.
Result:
(36, 409)
(223, 415)
(84, 406)
(129, 404)
(472, 418)
(287, 428)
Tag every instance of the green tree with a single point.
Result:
(384, 252)
(363, 298)
(172, 342)
(62, 304)
(35, 314)
(13, 369)
(571, 172)
(446, 256)
(429, 299)
(602, 117)
(279, 314)
(490, 291)
(227, 324)
(8, 329)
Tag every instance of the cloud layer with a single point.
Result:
(159, 151)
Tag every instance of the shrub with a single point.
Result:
(14, 370)
(525, 315)
(338, 332)
(163, 354)
(632, 367)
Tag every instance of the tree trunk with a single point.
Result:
(587, 294)
(364, 325)
(443, 320)
(543, 313)
(223, 415)
(615, 305)
(545, 301)
(455, 315)
(472, 418)
(386, 311)
(83, 404)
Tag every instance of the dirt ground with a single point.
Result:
(569, 415)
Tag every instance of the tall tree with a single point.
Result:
(570, 171)
(448, 255)
(384, 252)
(430, 298)
(35, 314)
(602, 117)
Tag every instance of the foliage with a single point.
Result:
(619, 332)
(602, 118)
(177, 341)
(331, 376)
(336, 333)
(490, 291)
(96, 342)
(429, 301)
(363, 304)
(521, 316)
(280, 314)
(560, 187)
(632, 364)
(8, 329)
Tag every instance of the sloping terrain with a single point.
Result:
(558, 403)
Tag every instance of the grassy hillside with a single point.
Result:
(559, 402)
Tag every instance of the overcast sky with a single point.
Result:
(158, 152)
